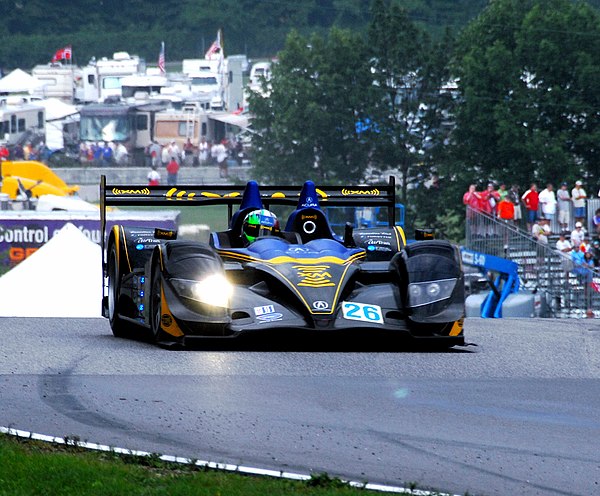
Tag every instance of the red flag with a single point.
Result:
(161, 58)
(65, 53)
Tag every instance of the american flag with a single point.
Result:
(161, 58)
(216, 49)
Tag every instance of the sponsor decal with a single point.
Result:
(174, 193)
(351, 192)
(269, 317)
(264, 310)
(310, 202)
(314, 276)
(314, 217)
(139, 246)
(165, 233)
(146, 240)
(320, 305)
(378, 242)
(117, 191)
(298, 249)
(166, 320)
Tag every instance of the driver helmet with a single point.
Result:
(259, 223)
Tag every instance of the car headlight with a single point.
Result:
(213, 290)
(425, 293)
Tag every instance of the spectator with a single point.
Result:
(153, 176)
(579, 196)
(154, 151)
(222, 156)
(502, 191)
(563, 245)
(172, 170)
(515, 198)
(596, 252)
(564, 206)
(541, 230)
(203, 149)
(4, 152)
(596, 221)
(548, 202)
(506, 210)
(121, 154)
(578, 234)
(107, 154)
(531, 200)
(472, 199)
(493, 198)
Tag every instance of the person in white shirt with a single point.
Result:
(579, 195)
(541, 231)
(563, 245)
(564, 206)
(578, 234)
(548, 202)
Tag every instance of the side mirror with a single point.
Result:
(424, 234)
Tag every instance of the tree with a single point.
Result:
(529, 77)
(306, 116)
(410, 73)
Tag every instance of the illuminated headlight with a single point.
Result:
(212, 290)
(425, 293)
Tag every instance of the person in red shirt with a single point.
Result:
(4, 153)
(477, 202)
(531, 200)
(172, 170)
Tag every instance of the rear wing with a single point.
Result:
(382, 195)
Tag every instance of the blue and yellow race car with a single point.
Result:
(259, 278)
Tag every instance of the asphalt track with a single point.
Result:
(518, 412)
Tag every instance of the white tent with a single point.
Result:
(62, 279)
(18, 81)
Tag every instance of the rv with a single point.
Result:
(129, 123)
(59, 80)
(18, 120)
(102, 79)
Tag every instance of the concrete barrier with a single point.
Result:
(89, 177)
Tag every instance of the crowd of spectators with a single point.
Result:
(542, 212)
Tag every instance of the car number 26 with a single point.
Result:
(360, 311)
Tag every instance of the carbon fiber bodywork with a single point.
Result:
(369, 282)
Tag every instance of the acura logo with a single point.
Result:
(320, 305)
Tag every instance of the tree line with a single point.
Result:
(32, 30)
(513, 98)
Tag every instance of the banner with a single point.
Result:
(65, 53)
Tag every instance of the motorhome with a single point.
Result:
(18, 120)
(59, 80)
(102, 79)
(148, 84)
(259, 70)
(129, 123)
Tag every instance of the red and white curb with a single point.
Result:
(228, 467)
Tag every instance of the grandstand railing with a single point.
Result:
(568, 289)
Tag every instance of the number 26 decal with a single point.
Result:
(362, 312)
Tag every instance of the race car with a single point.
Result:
(302, 280)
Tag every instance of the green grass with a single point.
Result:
(35, 468)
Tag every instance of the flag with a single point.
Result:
(216, 49)
(161, 58)
(65, 53)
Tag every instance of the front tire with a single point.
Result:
(118, 326)
(158, 334)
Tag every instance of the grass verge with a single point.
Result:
(30, 467)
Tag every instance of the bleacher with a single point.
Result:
(568, 291)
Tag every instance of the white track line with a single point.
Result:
(242, 469)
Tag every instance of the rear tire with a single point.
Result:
(118, 326)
